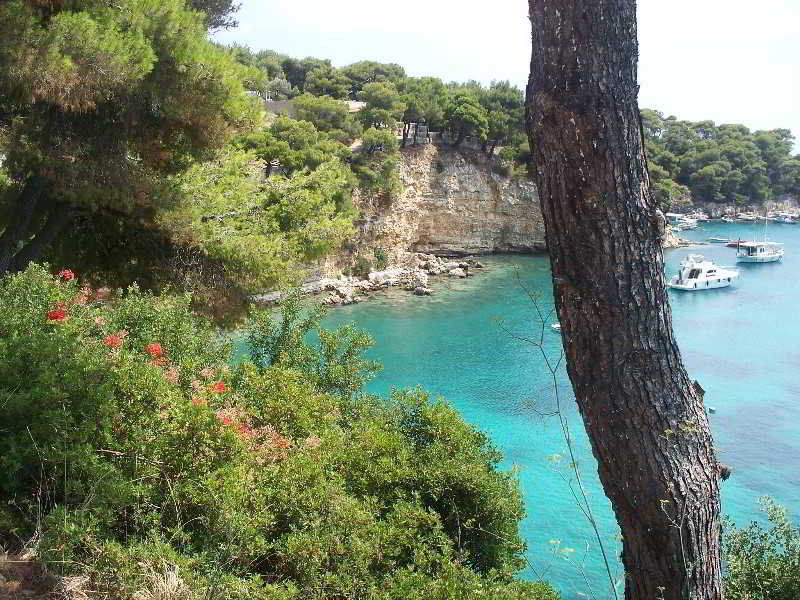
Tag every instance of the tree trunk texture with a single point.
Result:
(33, 205)
(644, 417)
(54, 223)
(20, 222)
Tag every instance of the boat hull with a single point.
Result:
(698, 286)
(759, 259)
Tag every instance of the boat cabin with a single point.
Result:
(759, 251)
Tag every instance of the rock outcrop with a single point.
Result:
(452, 204)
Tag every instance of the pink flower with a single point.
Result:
(66, 274)
(196, 385)
(57, 315)
(171, 375)
(219, 387)
(112, 340)
(312, 442)
(199, 401)
(122, 333)
(208, 372)
(101, 321)
(154, 349)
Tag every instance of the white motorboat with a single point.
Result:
(719, 240)
(556, 327)
(728, 220)
(697, 273)
(759, 252)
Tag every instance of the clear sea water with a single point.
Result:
(741, 343)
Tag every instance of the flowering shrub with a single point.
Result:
(268, 479)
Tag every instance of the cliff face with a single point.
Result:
(452, 204)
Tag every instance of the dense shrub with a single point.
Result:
(763, 564)
(131, 445)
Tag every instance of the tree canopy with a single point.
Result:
(718, 163)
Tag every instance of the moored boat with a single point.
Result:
(759, 252)
(698, 273)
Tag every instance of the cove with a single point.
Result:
(464, 344)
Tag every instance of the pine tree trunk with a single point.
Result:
(55, 222)
(643, 415)
(20, 222)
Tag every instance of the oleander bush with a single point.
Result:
(134, 450)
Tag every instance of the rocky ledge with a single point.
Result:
(412, 276)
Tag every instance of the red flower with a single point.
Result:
(57, 315)
(154, 349)
(66, 274)
(199, 401)
(219, 387)
(225, 419)
(245, 431)
(113, 340)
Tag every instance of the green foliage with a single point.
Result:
(717, 163)
(384, 107)
(327, 114)
(763, 564)
(363, 72)
(327, 80)
(464, 116)
(379, 140)
(297, 70)
(130, 443)
(381, 260)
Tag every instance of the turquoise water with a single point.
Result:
(739, 342)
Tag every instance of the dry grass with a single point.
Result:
(165, 586)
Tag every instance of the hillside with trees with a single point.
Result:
(705, 162)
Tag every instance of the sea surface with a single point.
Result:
(468, 344)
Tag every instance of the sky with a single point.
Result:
(731, 61)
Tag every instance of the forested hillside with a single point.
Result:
(163, 164)
(705, 162)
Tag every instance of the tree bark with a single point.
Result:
(20, 223)
(58, 218)
(644, 417)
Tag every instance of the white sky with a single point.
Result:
(731, 61)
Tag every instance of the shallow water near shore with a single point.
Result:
(739, 342)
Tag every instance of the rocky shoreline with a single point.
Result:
(413, 276)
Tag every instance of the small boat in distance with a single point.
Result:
(759, 252)
(697, 273)
(734, 243)
(556, 327)
(719, 240)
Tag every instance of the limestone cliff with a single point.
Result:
(453, 204)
